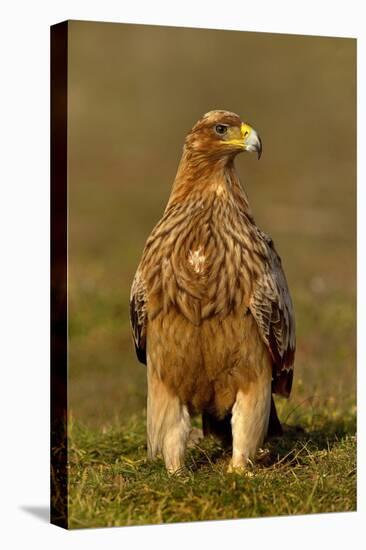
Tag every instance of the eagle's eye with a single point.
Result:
(220, 129)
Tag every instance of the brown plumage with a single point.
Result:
(210, 308)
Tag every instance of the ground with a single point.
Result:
(112, 483)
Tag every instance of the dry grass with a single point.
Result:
(112, 483)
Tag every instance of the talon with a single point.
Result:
(263, 456)
(176, 471)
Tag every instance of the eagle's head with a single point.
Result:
(222, 134)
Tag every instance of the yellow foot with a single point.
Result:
(195, 436)
(239, 469)
(176, 471)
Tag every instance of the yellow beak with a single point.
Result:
(251, 140)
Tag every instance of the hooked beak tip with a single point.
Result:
(259, 148)
(252, 141)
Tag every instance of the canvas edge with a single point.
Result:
(59, 331)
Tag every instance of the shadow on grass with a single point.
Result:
(297, 443)
(126, 448)
(294, 446)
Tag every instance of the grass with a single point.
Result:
(311, 470)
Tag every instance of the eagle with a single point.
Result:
(210, 309)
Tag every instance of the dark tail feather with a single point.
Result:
(274, 426)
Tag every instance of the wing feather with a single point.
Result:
(138, 316)
(272, 308)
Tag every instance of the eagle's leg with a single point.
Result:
(249, 422)
(168, 423)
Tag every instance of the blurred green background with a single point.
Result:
(134, 92)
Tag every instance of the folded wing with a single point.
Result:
(272, 308)
(138, 316)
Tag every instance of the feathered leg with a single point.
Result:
(221, 428)
(168, 423)
(249, 422)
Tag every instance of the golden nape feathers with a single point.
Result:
(211, 312)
